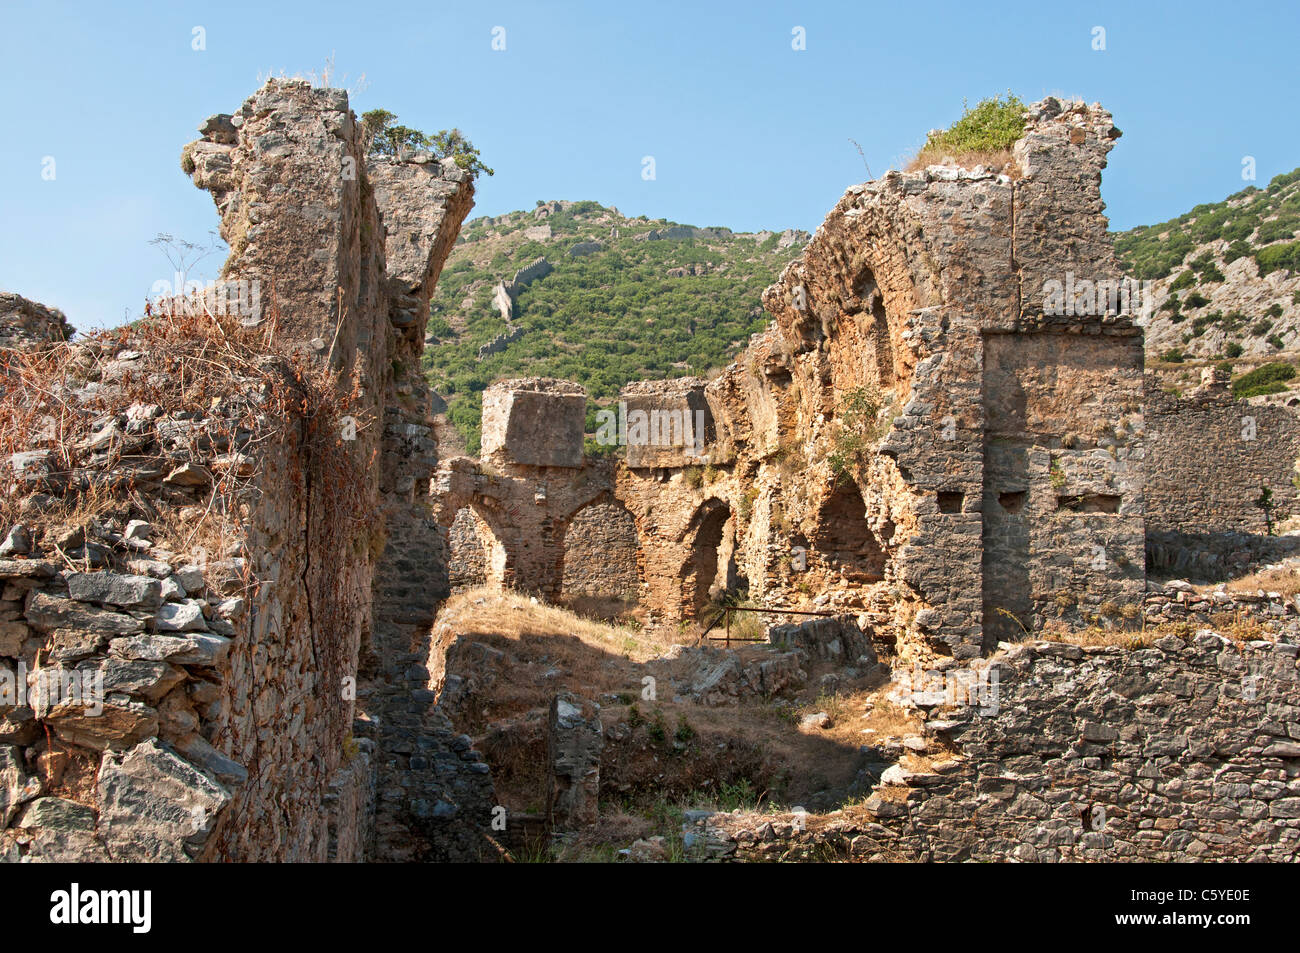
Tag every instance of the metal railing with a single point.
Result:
(727, 612)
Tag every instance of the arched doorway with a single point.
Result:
(475, 556)
(706, 567)
(843, 544)
(601, 552)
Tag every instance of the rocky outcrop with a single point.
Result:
(25, 323)
(504, 296)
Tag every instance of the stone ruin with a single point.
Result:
(262, 697)
(996, 482)
(918, 443)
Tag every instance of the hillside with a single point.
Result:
(1225, 277)
(579, 291)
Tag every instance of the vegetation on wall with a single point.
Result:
(990, 127)
(385, 137)
(857, 430)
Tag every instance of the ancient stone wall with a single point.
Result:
(223, 725)
(25, 323)
(1220, 480)
(237, 660)
(466, 551)
(928, 436)
(600, 553)
(1186, 750)
(915, 337)
(535, 423)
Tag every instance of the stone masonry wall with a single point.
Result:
(24, 323)
(467, 558)
(232, 662)
(925, 291)
(1186, 750)
(918, 439)
(1209, 458)
(600, 553)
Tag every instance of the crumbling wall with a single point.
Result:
(941, 432)
(300, 433)
(467, 551)
(600, 553)
(533, 480)
(1183, 751)
(918, 358)
(26, 323)
(1220, 480)
(172, 554)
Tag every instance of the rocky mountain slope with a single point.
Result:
(1225, 276)
(580, 291)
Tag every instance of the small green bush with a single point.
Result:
(1278, 257)
(1238, 249)
(1233, 349)
(1267, 376)
(1173, 356)
(387, 138)
(993, 125)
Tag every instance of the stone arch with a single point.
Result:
(877, 350)
(704, 538)
(476, 555)
(601, 553)
(843, 543)
(885, 280)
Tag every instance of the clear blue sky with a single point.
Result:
(746, 132)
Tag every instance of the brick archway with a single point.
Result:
(704, 538)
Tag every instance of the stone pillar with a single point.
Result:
(575, 742)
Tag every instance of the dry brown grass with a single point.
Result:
(243, 383)
(674, 749)
(1285, 582)
(238, 397)
(1100, 636)
(888, 720)
(513, 615)
(999, 160)
(1241, 626)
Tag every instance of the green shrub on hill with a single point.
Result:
(1248, 221)
(1267, 379)
(1276, 257)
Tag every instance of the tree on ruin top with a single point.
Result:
(385, 137)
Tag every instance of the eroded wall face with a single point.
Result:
(1221, 480)
(1062, 496)
(1180, 766)
(602, 554)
